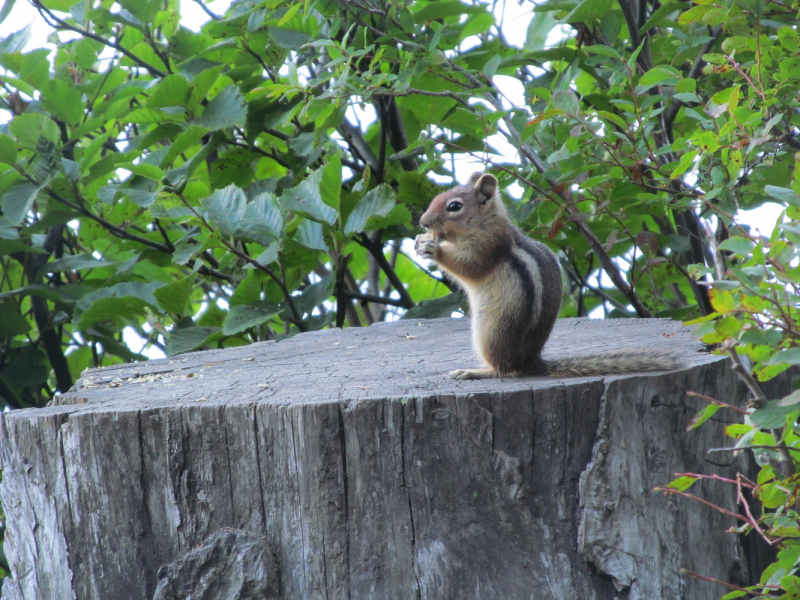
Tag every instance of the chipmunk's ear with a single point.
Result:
(475, 176)
(486, 185)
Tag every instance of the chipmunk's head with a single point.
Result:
(465, 208)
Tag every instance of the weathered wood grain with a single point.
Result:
(363, 472)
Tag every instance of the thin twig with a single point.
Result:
(64, 25)
(724, 583)
(414, 91)
(373, 298)
(202, 5)
(706, 502)
(765, 447)
(376, 250)
(717, 402)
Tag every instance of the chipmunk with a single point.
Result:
(513, 285)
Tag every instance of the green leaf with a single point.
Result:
(687, 160)
(227, 109)
(588, 10)
(709, 142)
(399, 215)
(8, 5)
(377, 202)
(269, 255)
(682, 483)
(12, 246)
(63, 100)
(702, 416)
(263, 219)
(315, 294)
(16, 41)
(245, 316)
(288, 38)
(310, 235)
(477, 25)
(141, 198)
(446, 8)
(567, 101)
(29, 127)
(545, 115)
(330, 186)
(46, 162)
(143, 10)
(729, 325)
(183, 142)
(734, 594)
(12, 323)
(17, 201)
(721, 300)
(738, 244)
(307, 200)
(172, 297)
(289, 14)
(660, 73)
(783, 195)
(76, 262)
(112, 311)
(664, 10)
(69, 293)
(226, 207)
(143, 169)
(771, 415)
(188, 339)
(152, 115)
(789, 357)
(737, 430)
(172, 91)
(437, 308)
(791, 399)
(8, 150)
(694, 14)
(490, 68)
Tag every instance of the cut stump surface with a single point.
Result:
(349, 464)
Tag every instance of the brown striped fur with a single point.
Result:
(513, 285)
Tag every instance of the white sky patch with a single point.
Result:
(139, 345)
(763, 219)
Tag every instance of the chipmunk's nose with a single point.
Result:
(430, 218)
(425, 219)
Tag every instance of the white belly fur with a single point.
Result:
(491, 303)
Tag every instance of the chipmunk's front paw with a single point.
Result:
(426, 246)
(473, 374)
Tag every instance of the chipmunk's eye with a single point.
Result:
(454, 206)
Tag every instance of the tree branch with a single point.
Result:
(413, 91)
(110, 227)
(48, 336)
(374, 298)
(694, 72)
(43, 10)
(376, 249)
(202, 5)
(352, 136)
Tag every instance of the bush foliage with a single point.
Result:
(212, 188)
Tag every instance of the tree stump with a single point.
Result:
(345, 464)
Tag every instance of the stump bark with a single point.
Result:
(344, 464)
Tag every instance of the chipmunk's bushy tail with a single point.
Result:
(612, 363)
